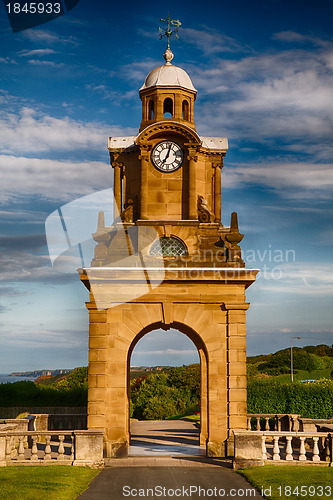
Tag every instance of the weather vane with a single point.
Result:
(169, 31)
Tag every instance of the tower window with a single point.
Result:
(185, 109)
(168, 108)
(151, 111)
(167, 247)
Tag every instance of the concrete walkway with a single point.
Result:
(166, 461)
(116, 483)
(165, 438)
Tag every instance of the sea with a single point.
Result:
(6, 378)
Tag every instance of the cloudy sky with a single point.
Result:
(264, 74)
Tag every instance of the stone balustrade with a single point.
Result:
(79, 447)
(273, 422)
(261, 447)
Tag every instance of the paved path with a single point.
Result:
(153, 482)
(165, 437)
(166, 462)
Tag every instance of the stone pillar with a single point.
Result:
(217, 388)
(159, 107)
(192, 188)
(217, 192)
(97, 393)
(117, 188)
(177, 113)
(203, 399)
(124, 187)
(236, 363)
(144, 158)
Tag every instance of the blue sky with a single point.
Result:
(263, 71)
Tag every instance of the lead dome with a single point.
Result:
(168, 75)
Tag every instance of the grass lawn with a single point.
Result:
(286, 482)
(53, 482)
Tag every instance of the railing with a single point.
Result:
(272, 422)
(301, 446)
(260, 447)
(51, 447)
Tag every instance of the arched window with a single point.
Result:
(151, 111)
(167, 247)
(168, 108)
(185, 109)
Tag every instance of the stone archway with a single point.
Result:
(203, 357)
(208, 306)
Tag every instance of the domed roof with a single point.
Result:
(168, 75)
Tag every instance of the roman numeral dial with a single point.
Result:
(167, 156)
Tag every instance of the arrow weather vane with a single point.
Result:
(169, 31)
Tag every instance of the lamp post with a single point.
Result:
(291, 357)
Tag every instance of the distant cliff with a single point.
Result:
(39, 373)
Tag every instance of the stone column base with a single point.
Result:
(114, 449)
(215, 449)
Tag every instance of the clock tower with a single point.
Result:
(168, 261)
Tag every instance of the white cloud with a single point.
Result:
(51, 179)
(138, 71)
(211, 41)
(291, 179)
(52, 64)
(36, 52)
(285, 95)
(299, 278)
(7, 60)
(32, 132)
(40, 36)
(293, 36)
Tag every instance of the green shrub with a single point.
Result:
(30, 394)
(162, 395)
(310, 400)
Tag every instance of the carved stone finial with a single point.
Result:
(168, 56)
(102, 234)
(234, 237)
(234, 222)
(101, 221)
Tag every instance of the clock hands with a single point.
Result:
(167, 155)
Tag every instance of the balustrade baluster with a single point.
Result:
(61, 448)
(326, 449)
(248, 423)
(9, 448)
(276, 449)
(302, 456)
(258, 423)
(263, 448)
(34, 449)
(315, 456)
(266, 423)
(72, 447)
(47, 453)
(289, 450)
(20, 451)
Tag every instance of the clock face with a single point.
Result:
(167, 156)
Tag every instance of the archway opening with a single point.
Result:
(185, 110)
(168, 108)
(165, 387)
(151, 110)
